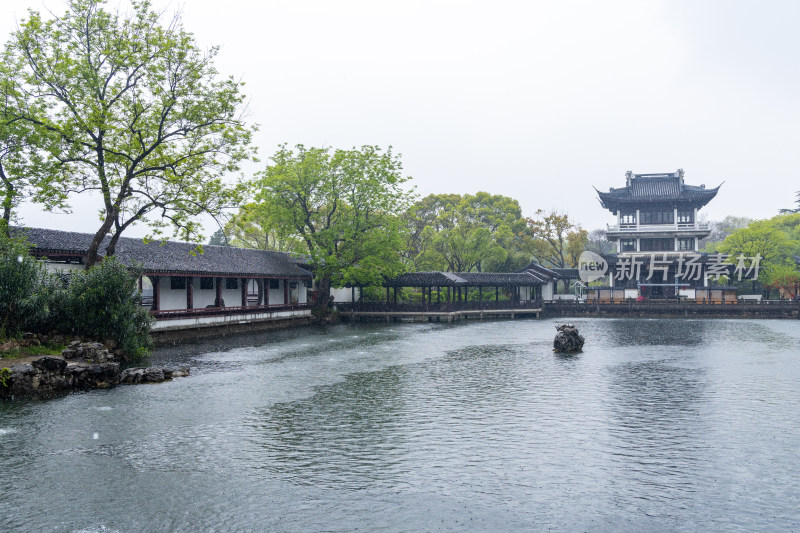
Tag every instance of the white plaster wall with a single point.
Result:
(345, 295)
(179, 323)
(632, 293)
(547, 291)
(688, 293)
(203, 297)
(54, 268)
(232, 297)
(751, 297)
(276, 295)
(169, 299)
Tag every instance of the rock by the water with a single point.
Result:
(49, 364)
(92, 352)
(568, 340)
(100, 376)
(133, 376)
(50, 376)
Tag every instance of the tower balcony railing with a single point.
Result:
(656, 228)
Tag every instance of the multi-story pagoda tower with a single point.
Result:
(657, 213)
(657, 237)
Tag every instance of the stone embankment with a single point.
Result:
(82, 366)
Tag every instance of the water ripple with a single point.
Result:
(659, 425)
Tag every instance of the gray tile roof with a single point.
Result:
(170, 257)
(567, 273)
(426, 279)
(508, 279)
(464, 279)
(542, 272)
(654, 188)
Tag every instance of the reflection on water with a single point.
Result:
(657, 425)
(334, 436)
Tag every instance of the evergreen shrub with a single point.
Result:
(21, 276)
(104, 303)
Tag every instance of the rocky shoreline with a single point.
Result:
(83, 366)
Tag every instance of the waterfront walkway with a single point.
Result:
(670, 308)
(442, 312)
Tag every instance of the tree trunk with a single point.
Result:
(324, 294)
(91, 256)
(112, 245)
(8, 201)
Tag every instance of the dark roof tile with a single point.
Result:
(654, 188)
(170, 256)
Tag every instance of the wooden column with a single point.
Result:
(395, 295)
(156, 292)
(480, 295)
(189, 292)
(286, 292)
(263, 287)
(438, 295)
(497, 294)
(243, 281)
(218, 300)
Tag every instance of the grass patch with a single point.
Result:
(32, 351)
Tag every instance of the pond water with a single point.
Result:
(658, 425)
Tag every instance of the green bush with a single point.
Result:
(104, 303)
(21, 277)
(101, 303)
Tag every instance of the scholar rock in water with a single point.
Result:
(568, 340)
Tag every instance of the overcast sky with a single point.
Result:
(539, 101)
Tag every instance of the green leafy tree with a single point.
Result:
(460, 249)
(104, 303)
(218, 238)
(598, 242)
(427, 212)
(553, 234)
(721, 229)
(465, 233)
(247, 229)
(21, 160)
(789, 223)
(785, 278)
(15, 183)
(21, 277)
(344, 205)
(761, 237)
(137, 112)
(577, 243)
